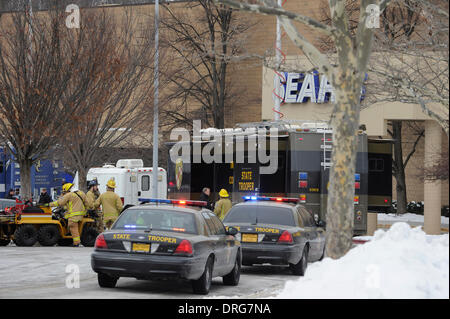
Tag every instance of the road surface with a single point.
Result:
(51, 272)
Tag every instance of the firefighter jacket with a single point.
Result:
(76, 203)
(222, 207)
(92, 196)
(111, 204)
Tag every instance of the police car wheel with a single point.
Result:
(232, 279)
(202, 285)
(299, 268)
(323, 255)
(106, 281)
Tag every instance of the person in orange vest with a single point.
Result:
(76, 204)
(111, 204)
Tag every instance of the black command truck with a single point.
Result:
(303, 153)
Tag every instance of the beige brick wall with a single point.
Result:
(247, 75)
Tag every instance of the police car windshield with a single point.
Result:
(165, 220)
(258, 214)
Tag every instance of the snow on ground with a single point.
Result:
(408, 217)
(400, 263)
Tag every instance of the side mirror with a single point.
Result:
(232, 231)
(321, 224)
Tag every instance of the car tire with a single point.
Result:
(232, 279)
(323, 255)
(89, 236)
(25, 235)
(106, 281)
(48, 235)
(299, 268)
(202, 285)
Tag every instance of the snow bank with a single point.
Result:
(399, 263)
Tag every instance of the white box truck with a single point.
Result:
(133, 180)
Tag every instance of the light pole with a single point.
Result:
(277, 63)
(155, 107)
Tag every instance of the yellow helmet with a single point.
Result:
(223, 193)
(111, 183)
(66, 187)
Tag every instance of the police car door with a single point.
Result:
(219, 238)
(227, 242)
(312, 233)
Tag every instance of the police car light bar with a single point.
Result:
(173, 201)
(273, 199)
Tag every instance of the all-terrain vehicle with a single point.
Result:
(25, 224)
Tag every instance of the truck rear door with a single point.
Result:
(145, 183)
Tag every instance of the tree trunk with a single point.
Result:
(82, 179)
(219, 118)
(25, 178)
(341, 191)
(399, 167)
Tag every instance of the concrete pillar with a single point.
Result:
(432, 188)
(372, 221)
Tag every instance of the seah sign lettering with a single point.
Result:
(301, 88)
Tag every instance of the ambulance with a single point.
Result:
(133, 180)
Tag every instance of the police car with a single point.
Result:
(277, 231)
(168, 239)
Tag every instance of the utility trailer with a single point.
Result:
(133, 180)
(303, 152)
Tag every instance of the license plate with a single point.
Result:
(141, 248)
(250, 238)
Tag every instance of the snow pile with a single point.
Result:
(398, 263)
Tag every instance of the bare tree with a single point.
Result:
(204, 38)
(37, 63)
(118, 99)
(411, 64)
(438, 171)
(399, 161)
(402, 22)
(347, 74)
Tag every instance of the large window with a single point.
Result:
(256, 214)
(306, 217)
(157, 220)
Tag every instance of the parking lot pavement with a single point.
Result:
(51, 272)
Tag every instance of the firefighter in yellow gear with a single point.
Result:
(223, 205)
(76, 204)
(111, 204)
(93, 194)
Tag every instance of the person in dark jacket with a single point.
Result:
(45, 197)
(11, 194)
(206, 192)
